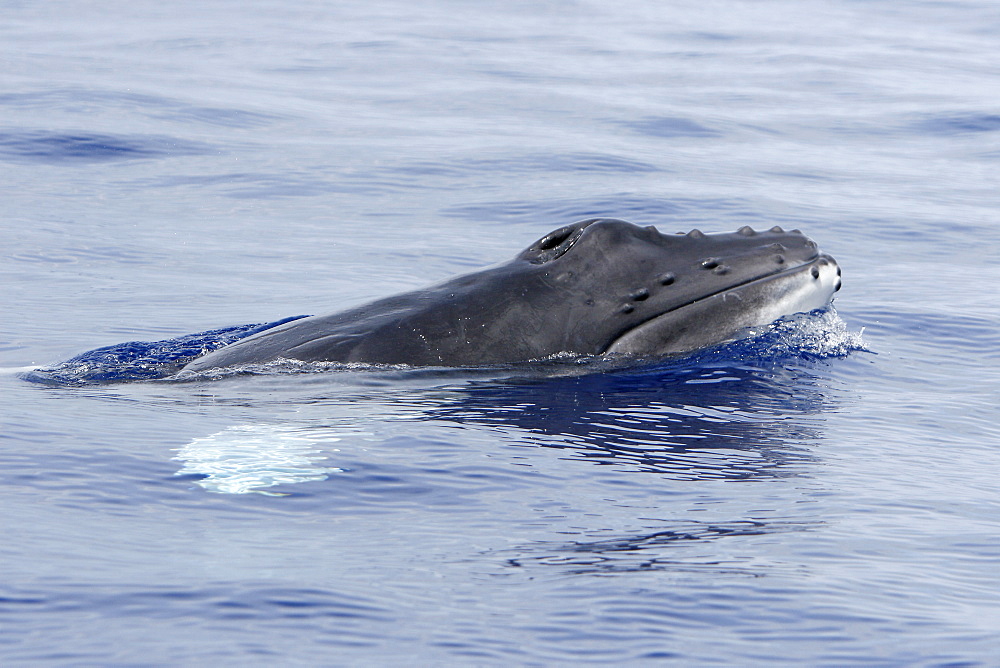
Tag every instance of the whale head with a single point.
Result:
(634, 290)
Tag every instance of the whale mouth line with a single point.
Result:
(783, 273)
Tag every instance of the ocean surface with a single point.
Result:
(826, 497)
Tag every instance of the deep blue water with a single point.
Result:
(177, 168)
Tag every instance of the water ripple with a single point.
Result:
(74, 100)
(647, 552)
(543, 162)
(87, 147)
(962, 123)
(623, 205)
(218, 602)
(671, 126)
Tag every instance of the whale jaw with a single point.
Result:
(725, 315)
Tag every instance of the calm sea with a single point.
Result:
(170, 168)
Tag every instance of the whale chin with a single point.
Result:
(726, 315)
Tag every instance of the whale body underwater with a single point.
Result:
(597, 287)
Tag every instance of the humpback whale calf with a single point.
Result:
(597, 287)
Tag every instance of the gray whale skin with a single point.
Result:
(596, 287)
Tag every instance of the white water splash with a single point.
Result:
(247, 459)
(824, 334)
(819, 334)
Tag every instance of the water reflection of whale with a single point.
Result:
(683, 421)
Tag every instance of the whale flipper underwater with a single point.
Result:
(596, 287)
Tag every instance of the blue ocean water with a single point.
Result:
(181, 167)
